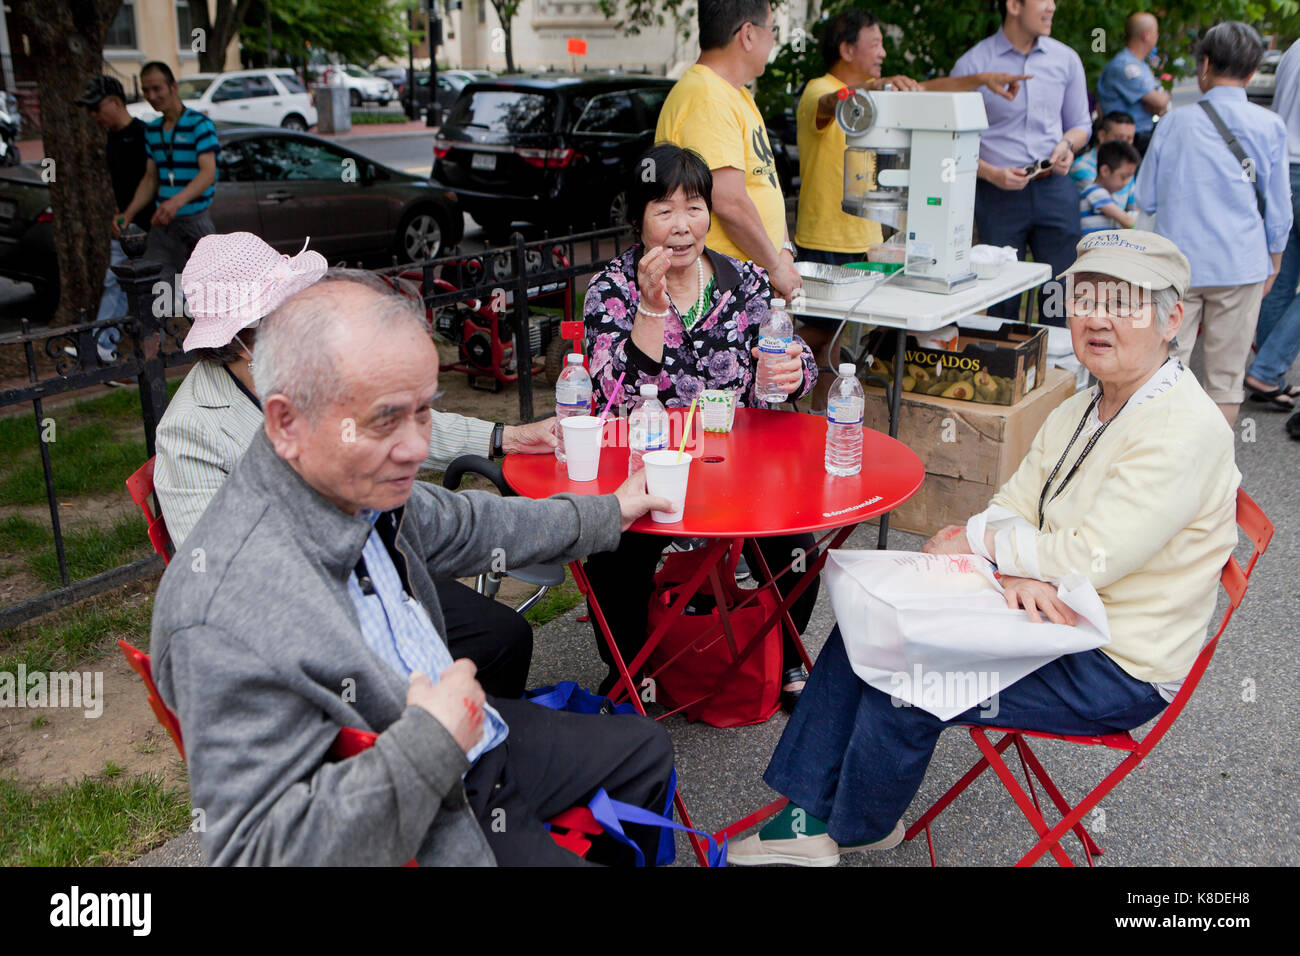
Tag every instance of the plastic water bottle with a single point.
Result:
(572, 396)
(647, 428)
(844, 423)
(774, 336)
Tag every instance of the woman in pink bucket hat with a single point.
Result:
(233, 281)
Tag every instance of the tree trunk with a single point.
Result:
(218, 31)
(67, 44)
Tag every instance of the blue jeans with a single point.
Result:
(1042, 218)
(113, 303)
(852, 758)
(1277, 336)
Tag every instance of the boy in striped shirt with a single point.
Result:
(181, 172)
(1099, 206)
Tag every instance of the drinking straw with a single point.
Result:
(618, 390)
(686, 432)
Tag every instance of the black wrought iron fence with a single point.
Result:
(496, 283)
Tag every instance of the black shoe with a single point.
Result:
(1293, 426)
(791, 697)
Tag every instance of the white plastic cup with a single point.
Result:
(582, 434)
(666, 477)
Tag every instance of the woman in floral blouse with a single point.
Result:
(671, 313)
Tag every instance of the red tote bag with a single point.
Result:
(700, 652)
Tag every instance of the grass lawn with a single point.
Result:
(101, 821)
(70, 638)
(94, 444)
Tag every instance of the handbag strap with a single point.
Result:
(1230, 138)
(612, 814)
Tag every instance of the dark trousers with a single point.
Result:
(1042, 218)
(852, 758)
(171, 245)
(491, 634)
(553, 760)
(623, 581)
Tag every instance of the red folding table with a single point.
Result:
(765, 477)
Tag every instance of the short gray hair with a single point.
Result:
(1232, 49)
(296, 344)
(1163, 302)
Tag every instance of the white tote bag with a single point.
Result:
(935, 631)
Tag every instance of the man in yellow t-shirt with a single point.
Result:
(711, 112)
(854, 51)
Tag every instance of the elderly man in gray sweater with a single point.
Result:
(304, 603)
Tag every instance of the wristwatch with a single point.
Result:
(788, 246)
(498, 433)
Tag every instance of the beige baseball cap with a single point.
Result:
(1144, 258)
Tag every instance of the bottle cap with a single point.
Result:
(778, 303)
(849, 369)
(649, 391)
(575, 358)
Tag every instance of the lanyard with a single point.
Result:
(1043, 499)
(171, 149)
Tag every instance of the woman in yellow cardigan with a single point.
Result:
(1132, 483)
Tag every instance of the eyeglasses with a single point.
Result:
(776, 29)
(1120, 303)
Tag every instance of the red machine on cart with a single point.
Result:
(481, 329)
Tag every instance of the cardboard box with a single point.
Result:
(989, 366)
(969, 449)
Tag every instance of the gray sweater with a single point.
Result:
(257, 648)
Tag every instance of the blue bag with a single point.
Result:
(612, 814)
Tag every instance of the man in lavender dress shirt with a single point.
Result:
(1048, 119)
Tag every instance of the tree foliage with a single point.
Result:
(355, 31)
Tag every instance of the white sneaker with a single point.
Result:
(887, 842)
(818, 850)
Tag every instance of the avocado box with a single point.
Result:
(997, 367)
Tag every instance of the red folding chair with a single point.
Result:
(571, 829)
(140, 487)
(1259, 530)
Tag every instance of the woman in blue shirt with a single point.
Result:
(1208, 201)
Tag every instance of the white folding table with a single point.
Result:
(910, 310)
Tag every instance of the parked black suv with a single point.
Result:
(555, 149)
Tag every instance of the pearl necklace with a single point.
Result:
(699, 299)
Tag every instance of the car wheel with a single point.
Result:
(383, 103)
(616, 213)
(354, 98)
(295, 122)
(420, 236)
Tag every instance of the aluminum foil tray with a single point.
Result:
(824, 281)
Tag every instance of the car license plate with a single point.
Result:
(486, 161)
(7, 209)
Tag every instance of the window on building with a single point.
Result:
(482, 11)
(121, 35)
(184, 26)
